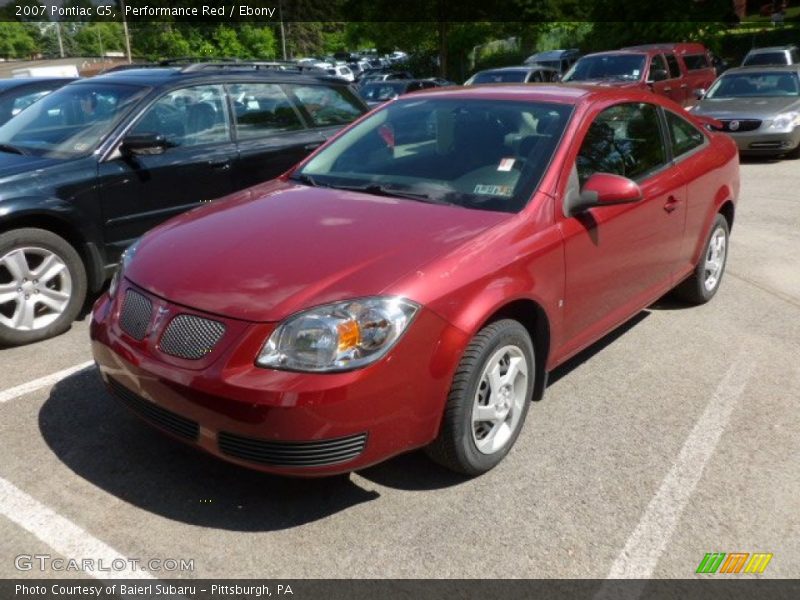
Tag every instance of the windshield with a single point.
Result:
(499, 77)
(755, 85)
(70, 122)
(482, 154)
(766, 58)
(625, 67)
(380, 92)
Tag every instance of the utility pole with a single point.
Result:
(60, 41)
(125, 29)
(283, 31)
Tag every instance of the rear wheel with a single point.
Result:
(488, 400)
(42, 285)
(701, 285)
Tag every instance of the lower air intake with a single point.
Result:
(293, 454)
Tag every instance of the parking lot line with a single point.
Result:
(47, 380)
(62, 535)
(644, 547)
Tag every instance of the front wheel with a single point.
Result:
(42, 285)
(488, 400)
(704, 282)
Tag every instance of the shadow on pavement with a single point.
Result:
(98, 439)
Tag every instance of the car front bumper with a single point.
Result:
(302, 424)
(763, 141)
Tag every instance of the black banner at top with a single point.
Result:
(367, 10)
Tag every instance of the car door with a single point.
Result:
(271, 134)
(618, 258)
(669, 86)
(139, 192)
(680, 87)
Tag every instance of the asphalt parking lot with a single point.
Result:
(675, 436)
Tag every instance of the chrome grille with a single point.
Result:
(743, 124)
(134, 317)
(191, 337)
(293, 454)
(158, 416)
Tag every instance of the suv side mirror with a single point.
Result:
(657, 75)
(144, 144)
(605, 189)
(699, 93)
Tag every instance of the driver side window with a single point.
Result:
(624, 139)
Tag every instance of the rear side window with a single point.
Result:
(623, 140)
(695, 62)
(261, 109)
(674, 68)
(192, 116)
(795, 56)
(684, 136)
(327, 106)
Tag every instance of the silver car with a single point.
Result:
(758, 106)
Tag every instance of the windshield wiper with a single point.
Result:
(308, 180)
(381, 190)
(12, 149)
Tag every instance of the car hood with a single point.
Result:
(14, 164)
(750, 108)
(267, 252)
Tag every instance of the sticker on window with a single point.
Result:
(386, 132)
(505, 164)
(492, 190)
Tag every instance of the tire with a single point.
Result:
(34, 308)
(473, 447)
(700, 287)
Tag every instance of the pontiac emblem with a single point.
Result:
(733, 125)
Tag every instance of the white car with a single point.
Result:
(343, 72)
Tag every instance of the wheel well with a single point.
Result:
(61, 229)
(727, 210)
(532, 316)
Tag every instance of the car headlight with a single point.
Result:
(338, 337)
(787, 120)
(119, 273)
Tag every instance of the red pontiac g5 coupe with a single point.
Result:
(412, 282)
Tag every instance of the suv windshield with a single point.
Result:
(70, 122)
(766, 58)
(626, 67)
(483, 154)
(740, 85)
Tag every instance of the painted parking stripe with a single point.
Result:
(61, 534)
(42, 382)
(644, 547)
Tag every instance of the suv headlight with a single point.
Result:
(339, 336)
(124, 261)
(786, 120)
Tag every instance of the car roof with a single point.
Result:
(554, 54)
(762, 68)
(544, 92)
(772, 49)
(15, 82)
(514, 69)
(677, 47)
(167, 76)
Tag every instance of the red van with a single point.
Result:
(677, 71)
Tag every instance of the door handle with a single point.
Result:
(220, 165)
(684, 85)
(667, 89)
(671, 204)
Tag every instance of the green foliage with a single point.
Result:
(94, 39)
(17, 40)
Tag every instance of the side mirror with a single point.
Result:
(657, 75)
(699, 93)
(144, 144)
(605, 189)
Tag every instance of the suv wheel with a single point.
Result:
(488, 400)
(42, 285)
